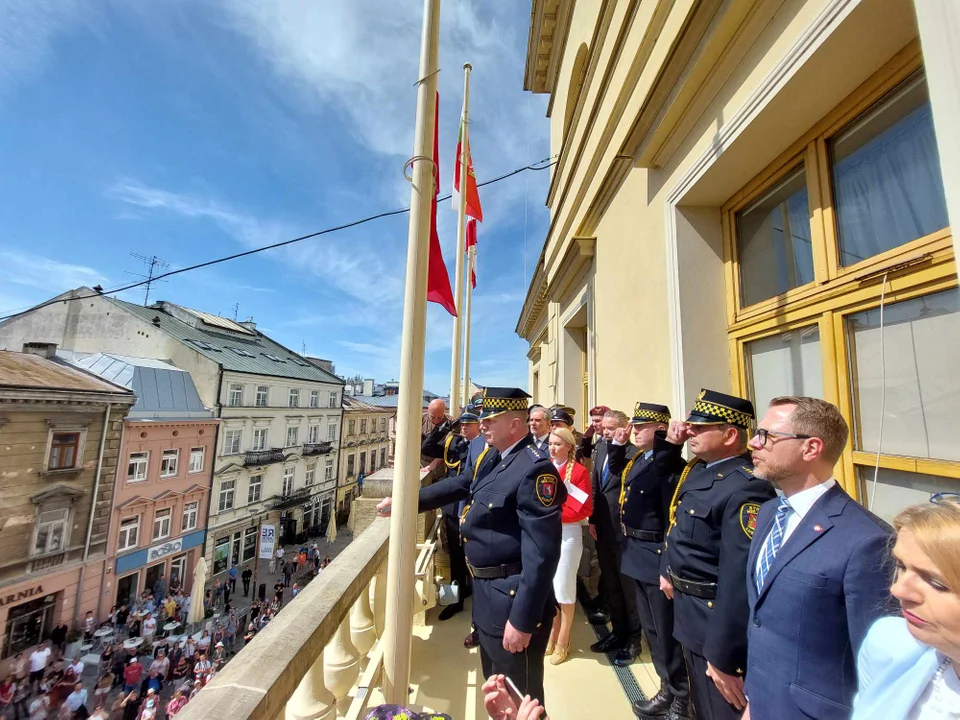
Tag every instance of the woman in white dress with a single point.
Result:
(576, 510)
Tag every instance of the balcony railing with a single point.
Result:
(324, 644)
(318, 448)
(262, 457)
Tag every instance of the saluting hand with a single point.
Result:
(515, 641)
(621, 436)
(678, 432)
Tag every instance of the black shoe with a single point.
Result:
(610, 642)
(598, 617)
(471, 640)
(626, 656)
(450, 610)
(680, 710)
(656, 707)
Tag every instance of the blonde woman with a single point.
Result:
(576, 509)
(909, 666)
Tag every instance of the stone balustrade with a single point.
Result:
(319, 658)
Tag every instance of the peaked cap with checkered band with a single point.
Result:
(498, 400)
(650, 413)
(713, 408)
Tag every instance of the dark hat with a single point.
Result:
(712, 408)
(599, 410)
(469, 415)
(650, 413)
(498, 400)
(566, 408)
(560, 415)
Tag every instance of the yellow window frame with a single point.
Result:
(921, 267)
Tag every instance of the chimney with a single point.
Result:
(249, 324)
(46, 350)
(368, 386)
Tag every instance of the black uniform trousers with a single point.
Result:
(458, 561)
(524, 668)
(616, 592)
(708, 703)
(656, 618)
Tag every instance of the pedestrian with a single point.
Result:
(102, 688)
(149, 707)
(217, 594)
(121, 619)
(514, 516)
(289, 568)
(278, 592)
(219, 655)
(232, 575)
(8, 689)
(294, 591)
(245, 576)
(201, 668)
(230, 631)
(160, 588)
(162, 665)
(89, 625)
(77, 702)
(58, 638)
(818, 574)
(203, 644)
(132, 674)
(249, 635)
(649, 479)
(39, 659)
(226, 595)
(151, 682)
(278, 560)
(40, 705)
(176, 703)
(76, 666)
(149, 629)
(20, 667)
(713, 515)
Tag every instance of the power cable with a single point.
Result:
(533, 166)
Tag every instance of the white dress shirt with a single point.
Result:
(800, 504)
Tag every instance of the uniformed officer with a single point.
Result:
(712, 518)
(649, 479)
(511, 531)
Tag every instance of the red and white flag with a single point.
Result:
(472, 250)
(473, 196)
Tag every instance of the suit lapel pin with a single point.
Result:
(818, 528)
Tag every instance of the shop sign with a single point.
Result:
(22, 595)
(164, 549)
(268, 537)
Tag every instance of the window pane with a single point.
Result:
(887, 185)
(897, 489)
(773, 240)
(921, 344)
(787, 364)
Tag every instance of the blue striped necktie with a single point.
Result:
(606, 474)
(771, 545)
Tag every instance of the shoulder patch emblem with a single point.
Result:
(748, 518)
(546, 489)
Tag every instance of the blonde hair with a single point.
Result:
(936, 528)
(566, 435)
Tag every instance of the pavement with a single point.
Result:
(91, 672)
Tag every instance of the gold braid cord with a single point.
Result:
(476, 469)
(623, 481)
(446, 449)
(674, 501)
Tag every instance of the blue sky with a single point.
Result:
(192, 129)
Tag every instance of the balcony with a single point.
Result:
(318, 448)
(321, 656)
(262, 457)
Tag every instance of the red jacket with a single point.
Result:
(579, 478)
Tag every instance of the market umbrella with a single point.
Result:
(196, 614)
(332, 529)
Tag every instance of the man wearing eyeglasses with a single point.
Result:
(711, 522)
(818, 574)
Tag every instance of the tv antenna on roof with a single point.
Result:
(236, 309)
(153, 263)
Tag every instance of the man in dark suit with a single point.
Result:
(538, 420)
(592, 436)
(649, 481)
(818, 573)
(616, 591)
(511, 529)
(712, 518)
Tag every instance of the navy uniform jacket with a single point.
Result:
(513, 516)
(647, 491)
(715, 520)
(606, 498)
(829, 582)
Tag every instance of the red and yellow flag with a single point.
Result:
(473, 197)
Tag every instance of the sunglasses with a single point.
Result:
(942, 498)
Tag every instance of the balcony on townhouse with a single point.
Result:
(262, 457)
(317, 448)
(322, 657)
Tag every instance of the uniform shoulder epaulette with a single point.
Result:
(747, 470)
(537, 455)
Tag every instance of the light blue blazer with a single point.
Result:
(893, 669)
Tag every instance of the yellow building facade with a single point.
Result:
(748, 197)
(366, 444)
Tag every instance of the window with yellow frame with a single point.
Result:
(842, 285)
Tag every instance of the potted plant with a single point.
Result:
(73, 644)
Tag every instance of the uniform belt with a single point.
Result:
(646, 535)
(495, 572)
(705, 590)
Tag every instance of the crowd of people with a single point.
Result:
(760, 587)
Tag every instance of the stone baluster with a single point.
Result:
(341, 662)
(380, 599)
(363, 634)
(312, 700)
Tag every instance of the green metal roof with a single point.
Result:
(248, 352)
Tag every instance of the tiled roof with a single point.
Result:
(246, 352)
(26, 371)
